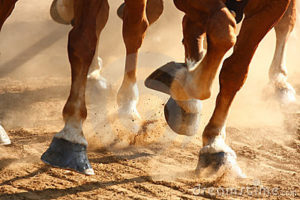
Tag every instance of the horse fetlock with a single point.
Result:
(218, 159)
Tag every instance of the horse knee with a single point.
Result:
(134, 30)
(221, 30)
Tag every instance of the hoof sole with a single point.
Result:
(55, 15)
(162, 78)
(67, 155)
(181, 121)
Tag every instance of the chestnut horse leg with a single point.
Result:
(191, 83)
(6, 8)
(68, 147)
(183, 117)
(135, 24)
(278, 71)
(62, 11)
(215, 152)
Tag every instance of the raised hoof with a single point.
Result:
(67, 155)
(120, 10)
(183, 119)
(4, 139)
(55, 15)
(162, 78)
(218, 164)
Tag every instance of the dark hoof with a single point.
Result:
(215, 160)
(120, 10)
(218, 164)
(183, 119)
(162, 78)
(55, 15)
(67, 155)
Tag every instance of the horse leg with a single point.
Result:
(216, 155)
(154, 9)
(68, 147)
(278, 71)
(135, 24)
(62, 11)
(96, 65)
(189, 84)
(183, 117)
(6, 8)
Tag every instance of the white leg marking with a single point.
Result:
(278, 74)
(285, 92)
(218, 145)
(95, 71)
(127, 99)
(4, 139)
(72, 132)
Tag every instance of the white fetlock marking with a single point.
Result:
(95, 72)
(100, 80)
(288, 93)
(4, 139)
(128, 97)
(72, 132)
(216, 146)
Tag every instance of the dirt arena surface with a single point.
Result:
(155, 163)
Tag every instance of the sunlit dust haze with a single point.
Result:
(35, 82)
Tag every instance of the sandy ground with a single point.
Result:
(155, 163)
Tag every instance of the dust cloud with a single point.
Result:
(35, 80)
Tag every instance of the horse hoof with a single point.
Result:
(67, 155)
(120, 10)
(162, 78)
(286, 96)
(4, 139)
(55, 14)
(183, 117)
(218, 164)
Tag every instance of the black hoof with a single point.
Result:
(67, 155)
(162, 78)
(120, 10)
(183, 119)
(215, 161)
(216, 165)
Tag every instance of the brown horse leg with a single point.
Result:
(135, 24)
(215, 152)
(183, 117)
(278, 71)
(68, 148)
(6, 8)
(62, 11)
(154, 10)
(187, 85)
(193, 39)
